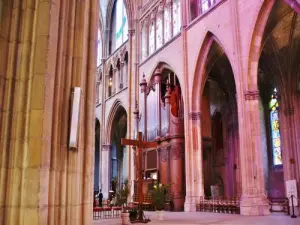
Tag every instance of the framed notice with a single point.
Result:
(74, 128)
(291, 189)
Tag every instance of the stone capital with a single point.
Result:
(131, 32)
(252, 95)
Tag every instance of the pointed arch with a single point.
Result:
(201, 70)
(113, 111)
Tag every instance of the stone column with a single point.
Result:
(132, 69)
(157, 80)
(143, 86)
(253, 200)
(194, 160)
(105, 162)
(176, 172)
(46, 49)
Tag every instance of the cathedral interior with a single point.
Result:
(212, 86)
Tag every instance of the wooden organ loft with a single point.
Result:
(160, 119)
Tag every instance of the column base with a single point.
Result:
(189, 205)
(254, 206)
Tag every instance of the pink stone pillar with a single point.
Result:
(176, 173)
(194, 164)
(253, 200)
(288, 132)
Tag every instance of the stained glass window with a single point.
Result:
(275, 131)
(120, 24)
(99, 49)
(151, 38)
(176, 17)
(159, 40)
(167, 21)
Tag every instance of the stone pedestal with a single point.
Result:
(254, 206)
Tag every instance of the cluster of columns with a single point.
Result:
(47, 48)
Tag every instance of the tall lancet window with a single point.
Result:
(144, 42)
(151, 38)
(159, 32)
(167, 24)
(275, 132)
(176, 17)
(99, 49)
(119, 25)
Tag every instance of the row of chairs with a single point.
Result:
(106, 212)
(219, 205)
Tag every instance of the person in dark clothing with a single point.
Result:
(100, 198)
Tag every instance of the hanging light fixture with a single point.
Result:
(110, 82)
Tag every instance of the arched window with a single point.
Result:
(159, 32)
(176, 16)
(275, 132)
(119, 26)
(144, 42)
(151, 38)
(99, 49)
(110, 83)
(167, 24)
(194, 9)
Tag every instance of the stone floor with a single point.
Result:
(191, 218)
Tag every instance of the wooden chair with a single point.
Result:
(97, 211)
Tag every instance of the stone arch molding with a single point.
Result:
(256, 43)
(161, 65)
(200, 75)
(115, 107)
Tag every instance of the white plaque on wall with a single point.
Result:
(291, 189)
(74, 128)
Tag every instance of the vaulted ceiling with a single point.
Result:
(280, 57)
